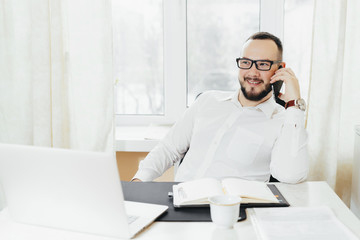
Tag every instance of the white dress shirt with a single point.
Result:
(218, 137)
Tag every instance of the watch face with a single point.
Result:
(301, 104)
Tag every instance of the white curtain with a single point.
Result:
(334, 93)
(56, 86)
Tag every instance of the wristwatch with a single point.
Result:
(299, 103)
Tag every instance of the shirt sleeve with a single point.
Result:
(289, 157)
(170, 150)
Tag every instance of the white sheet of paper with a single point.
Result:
(299, 223)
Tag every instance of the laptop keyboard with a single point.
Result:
(132, 218)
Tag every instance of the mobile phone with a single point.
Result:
(276, 88)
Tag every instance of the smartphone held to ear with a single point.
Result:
(276, 88)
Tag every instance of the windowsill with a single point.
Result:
(138, 138)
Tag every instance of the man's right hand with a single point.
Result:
(136, 180)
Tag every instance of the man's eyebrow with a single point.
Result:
(265, 59)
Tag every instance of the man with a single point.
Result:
(244, 134)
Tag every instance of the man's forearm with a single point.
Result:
(161, 158)
(170, 150)
(154, 165)
(290, 160)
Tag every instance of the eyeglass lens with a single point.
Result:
(260, 65)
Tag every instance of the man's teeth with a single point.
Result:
(254, 81)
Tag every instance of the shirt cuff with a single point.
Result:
(144, 175)
(295, 117)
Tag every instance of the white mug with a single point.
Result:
(224, 210)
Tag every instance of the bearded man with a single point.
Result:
(245, 134)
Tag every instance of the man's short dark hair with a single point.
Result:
(268, 36)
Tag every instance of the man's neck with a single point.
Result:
(249, 103)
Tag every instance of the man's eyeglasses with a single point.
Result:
(262, 65)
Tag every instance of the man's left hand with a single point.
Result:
(292, 88)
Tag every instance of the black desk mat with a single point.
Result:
(157, 193)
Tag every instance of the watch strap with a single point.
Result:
(290, 103)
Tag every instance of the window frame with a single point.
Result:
(175, 59)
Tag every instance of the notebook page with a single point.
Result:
(248, 189)
(197, 190)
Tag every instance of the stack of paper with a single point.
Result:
(299, 223)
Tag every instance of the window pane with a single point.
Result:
(216, 31)
(298, 16)
(138, 56)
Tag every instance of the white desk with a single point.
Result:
(305, 194)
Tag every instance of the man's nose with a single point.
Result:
(253, 69)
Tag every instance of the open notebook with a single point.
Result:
(253, 193)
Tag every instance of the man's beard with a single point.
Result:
(253, 96)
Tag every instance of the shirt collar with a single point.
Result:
(268, 107)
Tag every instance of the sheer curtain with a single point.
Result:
(334, 94)
(56, 86)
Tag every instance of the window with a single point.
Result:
(138, 57)
(214, 41)
(167, 52)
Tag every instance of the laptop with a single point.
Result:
(74, 190)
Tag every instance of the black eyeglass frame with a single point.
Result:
(256, 65)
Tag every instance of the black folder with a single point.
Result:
(158, 193)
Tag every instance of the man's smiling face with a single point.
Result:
(255, 84)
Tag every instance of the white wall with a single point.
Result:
(355, 189)
(2, 199)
